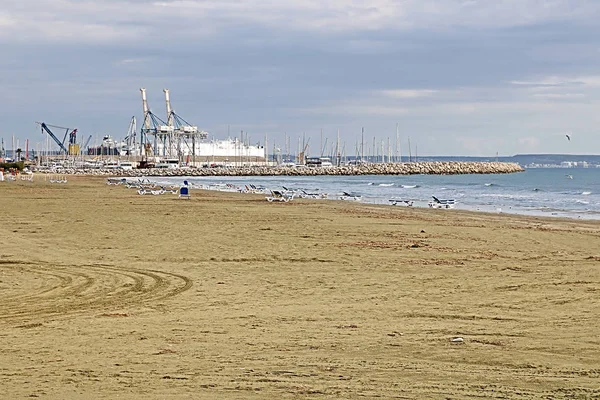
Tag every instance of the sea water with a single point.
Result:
(559, 192)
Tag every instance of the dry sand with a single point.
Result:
(107, 294)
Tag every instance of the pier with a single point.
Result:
(412, 168)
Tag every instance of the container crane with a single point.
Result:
(72, 133)
(179, 124)
(130, 138)
(184, 133)
(152, 125)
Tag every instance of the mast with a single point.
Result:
(373, 155)
(266, 149)
(337, 148)
(409, 152)
(389, 151)
(362, 144)
(321, 143)
(398, 150)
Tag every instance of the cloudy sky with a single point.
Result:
(459, 77)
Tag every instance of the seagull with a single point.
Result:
(568, 137)
(569, 176)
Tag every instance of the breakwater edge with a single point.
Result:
(412, 168)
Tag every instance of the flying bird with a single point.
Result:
(568, 137)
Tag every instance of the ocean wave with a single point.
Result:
(409, 186)
(586, 193)
(386, 184)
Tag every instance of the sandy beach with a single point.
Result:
(106, 294)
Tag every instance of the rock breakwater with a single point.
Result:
(413, 168)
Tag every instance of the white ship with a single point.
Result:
(219, 150)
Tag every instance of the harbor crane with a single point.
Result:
(87, 141)
(154, 126)
(73, 148)
(183, 131)
(179, 124)
(302, 154)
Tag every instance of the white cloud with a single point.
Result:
(548, 81)
(559, 96)
(118, 20)
(408, 93)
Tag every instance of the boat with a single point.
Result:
(221, 151)
(171, 163)
(111, 164)
(439, 203)
(126, 165)
(109, 147)
(318, 162)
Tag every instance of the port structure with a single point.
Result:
(73, 148)
(131, 139)
(153, 127)
(185, 134)
(174, 138)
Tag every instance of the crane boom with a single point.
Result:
(87, 141)
(49, 132)
(169, 109)
(145, 108)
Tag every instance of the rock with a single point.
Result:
(430, 168)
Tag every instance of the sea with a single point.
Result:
(553, 192)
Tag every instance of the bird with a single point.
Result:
(568, 137)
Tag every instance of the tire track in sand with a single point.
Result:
(40, 290)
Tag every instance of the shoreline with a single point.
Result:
(479, 208)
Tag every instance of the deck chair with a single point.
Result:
(276, 195)
(184, 192)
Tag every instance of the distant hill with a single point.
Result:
(522, 159)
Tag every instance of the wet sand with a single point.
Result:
(106, 294)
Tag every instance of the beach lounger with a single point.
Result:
(276, 195)
(394, 202)
(438, 203)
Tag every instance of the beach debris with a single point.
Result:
(351, 326)
(164, 351)
(422, 231)
(114, 315)
(457, 339)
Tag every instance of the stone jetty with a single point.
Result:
(412, 168)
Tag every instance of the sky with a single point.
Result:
(453, 77)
